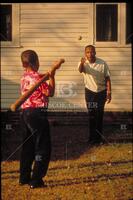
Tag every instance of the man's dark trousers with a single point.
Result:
(95, 104)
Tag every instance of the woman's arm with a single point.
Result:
(52, 83)
(56, 65)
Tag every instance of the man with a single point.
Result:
(97, 91)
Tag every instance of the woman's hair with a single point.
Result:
(29, 58)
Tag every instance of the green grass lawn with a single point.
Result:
(101, 172)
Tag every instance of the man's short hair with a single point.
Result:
(89, 46)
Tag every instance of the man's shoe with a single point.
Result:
(38, 184)
(24, 183)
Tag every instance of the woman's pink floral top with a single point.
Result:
(39, 98)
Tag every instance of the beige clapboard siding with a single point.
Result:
(56, 10)
(67, 70)
(120, 87)
(49, 20)
(76, 91)
(59, 102)
(77, 98)
(62, 12)
(77, 95)
(63, 76)
(115, 83)
(117, 88)
(77, 87)
(69, 49)
(53, 6)
(50, 35)
(16, 63)
(61, 105)
(54, 26)
(66, 53)
(53, 40)
(71, 67)
(73, 72)
(50, 44)
(69, 60)
(53, 31)
(74, 77)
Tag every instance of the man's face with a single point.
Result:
(90, 53)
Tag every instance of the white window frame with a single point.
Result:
(15, 27)
(121, 27)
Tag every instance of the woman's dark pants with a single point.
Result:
(36, 145)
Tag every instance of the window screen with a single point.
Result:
(5, 23)
(106, 22)
(129, 33)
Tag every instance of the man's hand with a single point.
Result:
(81, 66)
(108, 97)
(108, 86)
(83, 60)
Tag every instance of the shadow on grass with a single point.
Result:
(87, 179)
(69, 141)
(93, 179)
(79, 166)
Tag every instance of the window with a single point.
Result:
(6, 23)
(112, 24)
(9, 25)
(129, 33)
(106, 22)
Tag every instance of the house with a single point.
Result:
(62, 30)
